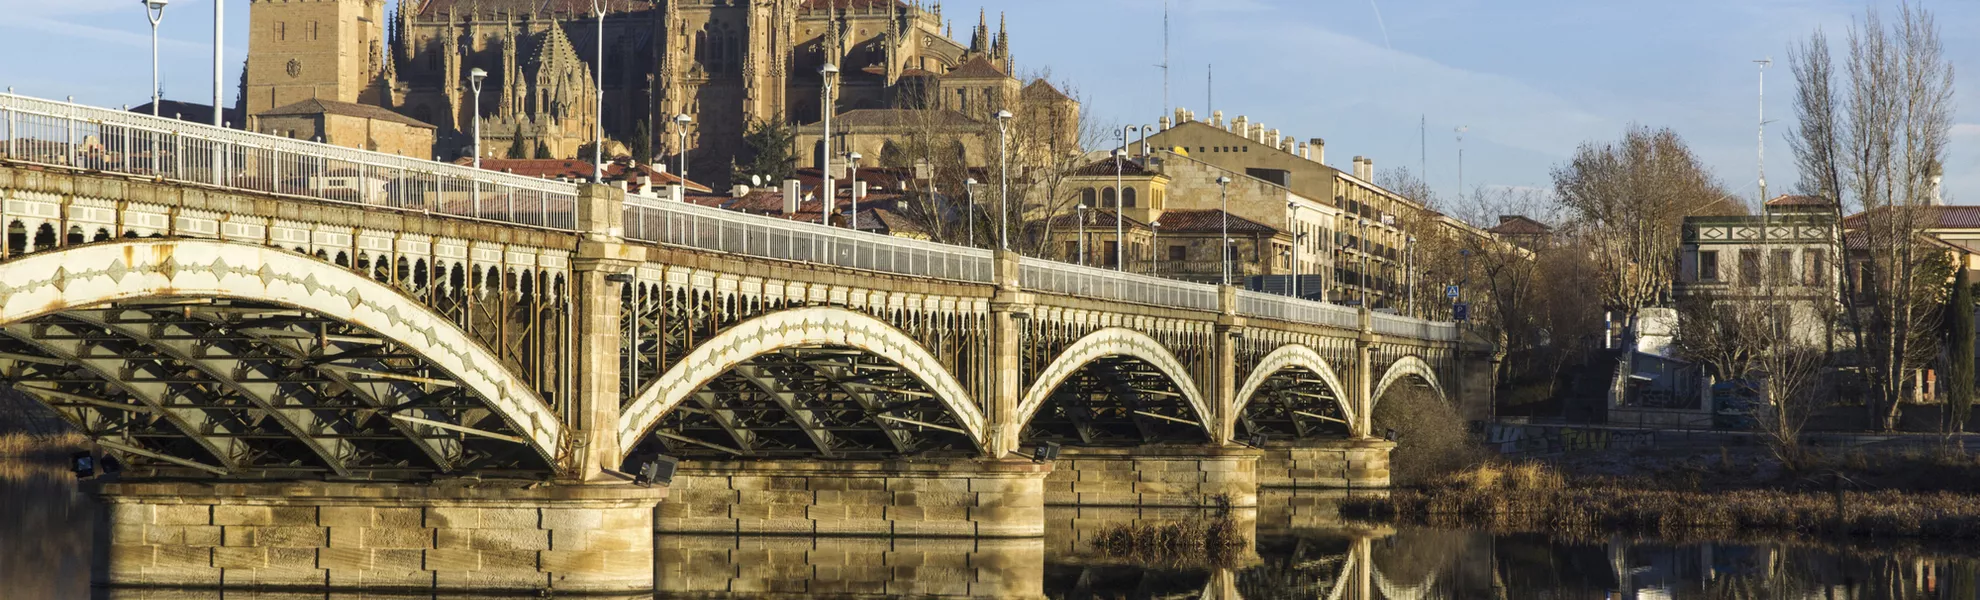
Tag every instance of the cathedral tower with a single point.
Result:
(314, 49)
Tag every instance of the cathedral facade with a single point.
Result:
(726, 63)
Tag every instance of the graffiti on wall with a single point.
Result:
(1543, 439)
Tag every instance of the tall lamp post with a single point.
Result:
(1224, 251)
(219, 43)
(852, 163)
(969, 192)
(475, 77)
(1004, 160)
(598, 118)
(1154, 247)
(1292, 224)
(681, 122)
(154, 11)
(1120, 204)
(825, 75)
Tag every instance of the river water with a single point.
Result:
(1298, 550)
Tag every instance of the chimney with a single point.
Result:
(676, 193)
(792, 189)
(1368, 169)
(739, 190)
(1165, 123)
(1217, 119)
(1319, 151)
(1356, 171)
(1305, 151)
(859, 189)
(645, 185)
(1289, 144)
(1241, 126)
(1182, 116)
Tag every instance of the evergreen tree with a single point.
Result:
(642, 143)
(1959, 331)
(767, 152)
(516, 147)
(542, 149)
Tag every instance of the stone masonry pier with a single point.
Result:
(1155, 476)
(1326, 464)
(379, 537)
(959, 498)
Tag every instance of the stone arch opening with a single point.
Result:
(1293, 393)
(1114, 387)
(810, 382)
(247, 361)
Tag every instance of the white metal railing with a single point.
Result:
(1105, 284)
(1413, 328)
(1294, 310)
(100, 139)
(722, 230)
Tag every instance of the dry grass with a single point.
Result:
(1533, 497)
(40, 445)
(1214, 541)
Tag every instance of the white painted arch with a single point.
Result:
(1113, 341)
(812, 326)
(1405, 367)
(91, 275)
(1295, 355)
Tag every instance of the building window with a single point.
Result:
(1086, 196)
(1127, 197)
(1113, 251)
(282, 30)
(1816, 271)
(1783, 268)
(1749, 267)
(1072, 249)
(314, 30)
(1107, 197)
(1178, 252)
(1708, 265)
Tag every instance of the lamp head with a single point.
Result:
(854, 157)
(155, 4)
(683, 119)
(829, 70)
(970, 181)
(1005, 115)
(475, 75)
(1155, 224)
(1225, 180)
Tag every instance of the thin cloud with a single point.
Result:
(1964, 130)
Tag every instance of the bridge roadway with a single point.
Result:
(323, 366)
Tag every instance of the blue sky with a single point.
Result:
(1530, 78)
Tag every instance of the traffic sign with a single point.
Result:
(1461, 312)
(1451, 291)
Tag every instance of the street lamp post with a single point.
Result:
(475, 77)
(598, 118)
(1120, 195)
(681, 121)
(1004, 171)
(1292, 224)
(1224, 251)
(219, 48)
(852, 163)
(1154, 247)
(825, 75)
(969, 192)
(154, 11)
(1409, 275)
(1145, 131)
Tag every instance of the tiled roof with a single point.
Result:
(1519, 225)
(1103, 218)
(1208, 221)
(1795, 200)
(1937, 217)
(843, 4)
(434, 8)
(976, 68)
(192, 112)
(1105, 166)
(333, 107)
(1040, 88)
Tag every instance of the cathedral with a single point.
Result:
(725, 63)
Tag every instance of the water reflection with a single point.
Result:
(1300, 550)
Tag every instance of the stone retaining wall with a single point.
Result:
(379, 536)
(1173, 476)
(1338, 464)
(958, 498)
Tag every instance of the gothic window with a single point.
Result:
(282, 30)
(701, 47)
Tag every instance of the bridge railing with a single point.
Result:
(99, 139)
(1107, 284)
(1294, 310)
(1413, 328)
(722, 230)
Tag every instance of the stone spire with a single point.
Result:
(981, 42)
(1003, 47)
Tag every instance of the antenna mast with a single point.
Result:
(1460, 140)
(1764, 64)
(1166, 107)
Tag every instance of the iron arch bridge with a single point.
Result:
(253, 307)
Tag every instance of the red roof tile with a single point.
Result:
(555, 168)
(977, 68)
(1519, 225)
(1208, 221)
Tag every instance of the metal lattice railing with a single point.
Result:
(720, 230)
(99, 139)
(1413, 328)
(1294, 310)
(1104, 284)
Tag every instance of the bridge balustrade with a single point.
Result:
(72, 135)
(721, 230)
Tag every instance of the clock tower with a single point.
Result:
(313, 49)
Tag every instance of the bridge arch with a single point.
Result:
(1114, 342)
(47, 298)
(1405, 368)
(1294, 360)
(789, 329)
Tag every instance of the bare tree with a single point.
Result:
(1627, 198)
(1873, 139)
(1765, 339)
